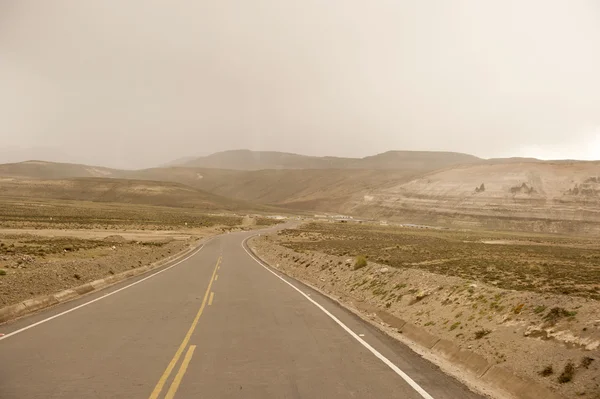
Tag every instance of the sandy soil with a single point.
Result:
(129, 235)
(42, 262)
(529, 332)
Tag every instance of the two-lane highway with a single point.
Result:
(217, 325)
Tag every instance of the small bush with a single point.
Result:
(556, 314)
(77, 276)
(454, 326)
(517, 309)
(482, 333)
(539, 309)
(2, 272)
(567, 374)
(548, 370)
(361, 262)
(586, 361)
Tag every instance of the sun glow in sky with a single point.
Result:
(587, 149)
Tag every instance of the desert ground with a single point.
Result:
(50, 246)
(506, 262)
(526, 300)
(446, 189)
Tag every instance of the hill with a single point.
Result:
(319, 187)
(416, 160)
(259, 160)
(508, 193)
(313, 189)
(53, 170)
(119, 191)
(552, 195)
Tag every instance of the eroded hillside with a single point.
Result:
(548, 195)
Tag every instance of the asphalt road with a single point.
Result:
(217, 325)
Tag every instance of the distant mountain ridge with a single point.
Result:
(54, 170)
(259, 160)
(435, 188)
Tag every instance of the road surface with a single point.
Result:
(217, 325)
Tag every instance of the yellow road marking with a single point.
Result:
(163, 379)
(212, 295)
(179, 376)
(216, 277)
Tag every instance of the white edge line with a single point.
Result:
(99, 298)
(374, 351)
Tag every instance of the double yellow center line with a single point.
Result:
(163, 379)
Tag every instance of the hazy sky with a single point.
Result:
(140, 82)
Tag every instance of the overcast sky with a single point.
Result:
(141, 82)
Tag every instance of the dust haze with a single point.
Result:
(140, 83)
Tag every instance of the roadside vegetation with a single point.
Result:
(361, 262)
(55, 214)
(50, 245)
(526, 301)
(524, 262)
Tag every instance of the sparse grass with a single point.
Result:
(548, 370)
(360, 262)
(39, 264)
(267, 221)
(55, 214)
(455, 326)
(42, 246)
(496, 306)
(153, 243)
(557, 313)
(87, 260)
(586, 361)
(539, 309)
(567, 374)
(544, 263)
(482, 333)
(517, 309)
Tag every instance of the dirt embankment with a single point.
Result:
(36, 265)
(551, 338)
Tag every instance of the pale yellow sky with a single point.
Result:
(137, 83)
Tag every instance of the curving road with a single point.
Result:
(216, 325)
